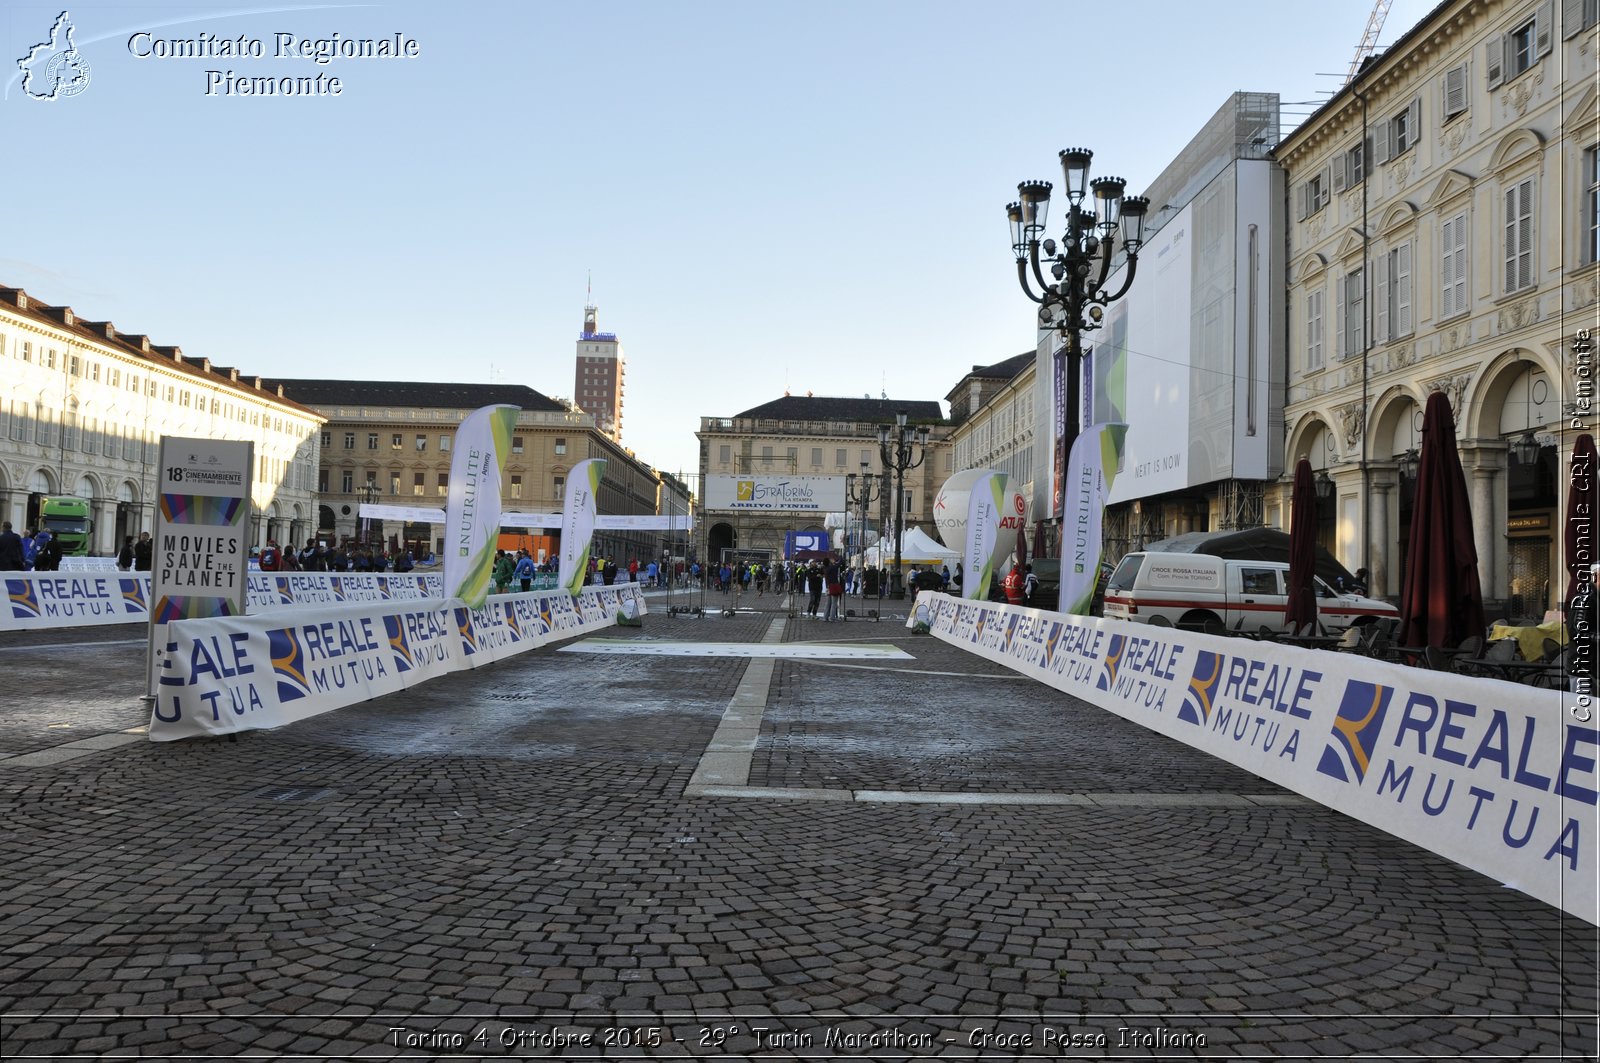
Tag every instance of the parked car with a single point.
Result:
(1196, 590)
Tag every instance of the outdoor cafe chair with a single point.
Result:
(1491, 662)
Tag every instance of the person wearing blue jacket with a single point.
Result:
(524, 570)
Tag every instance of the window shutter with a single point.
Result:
(1447, 289)
(1455, 91)
(1494, 61)
(1341, 289)
(1459, 271)
(1301, 201)
(1544, 29)
(1380, 295)
(1571, 18)
(1525, 234)
(1511, 240)
(1401, 280)
(1385, 135)
(1414, 123)
(1341, 172)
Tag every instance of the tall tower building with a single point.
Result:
(597, 384)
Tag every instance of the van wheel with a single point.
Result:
(1199, 618)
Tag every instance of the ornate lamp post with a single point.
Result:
(369, 494)
(1075, 302)
(860, 489)
(894, 445)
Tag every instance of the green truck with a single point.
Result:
(69, 521)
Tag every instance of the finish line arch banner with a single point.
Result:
(1499, 777)
(220, 675)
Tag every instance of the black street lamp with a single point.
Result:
(860, 489)
(1324, 485)
(894, 445)
(369, 492)
(1075, 302)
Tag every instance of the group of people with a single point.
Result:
(40, 551)
(519, 566)
(779, 577)
(36, 551)
(348, 557)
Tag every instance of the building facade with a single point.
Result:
(83, 408)
(390, 442)
(599, 375)
(1443, 237)
(992, 422)
(813, 436)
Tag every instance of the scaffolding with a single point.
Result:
(1241, 504)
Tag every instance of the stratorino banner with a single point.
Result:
(223, 674)
(1497, 776)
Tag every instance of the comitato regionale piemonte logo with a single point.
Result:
(54, 68)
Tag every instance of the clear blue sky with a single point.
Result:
(769, 196)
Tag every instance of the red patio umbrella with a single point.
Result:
(1441, 602)
(1301, 612)
(1583, 513)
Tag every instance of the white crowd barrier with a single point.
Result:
(227, 674)
(82, 599)
(88, 564)
(1497, 776)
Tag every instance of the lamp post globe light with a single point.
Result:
(895, 442)
(1073, 301)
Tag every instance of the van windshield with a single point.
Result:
(1127, 571)
(66, 524)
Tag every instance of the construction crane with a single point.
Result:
(1369, 39)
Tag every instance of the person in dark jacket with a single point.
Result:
(11, 558)
(143, 553)
(125, 555)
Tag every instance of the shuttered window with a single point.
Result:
(1453, 266)
(1314, 327)
(1455, 91)
(1519, 236)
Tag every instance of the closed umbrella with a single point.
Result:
(1301, 612)
(1441, 602)
(1583, 511)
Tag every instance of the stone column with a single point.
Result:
(1379, 547)
(1488, 533)
(104, 541)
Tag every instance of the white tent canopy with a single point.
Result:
(919, 548)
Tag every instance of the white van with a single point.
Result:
(1197, 590)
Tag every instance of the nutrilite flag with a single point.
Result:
(472, 509)
(984, 507)
(577, 521)
(1091, 467)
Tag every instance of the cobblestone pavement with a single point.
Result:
(929, 857)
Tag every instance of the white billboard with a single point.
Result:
(1139, 368)
(776, 494)
(1185, 357)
